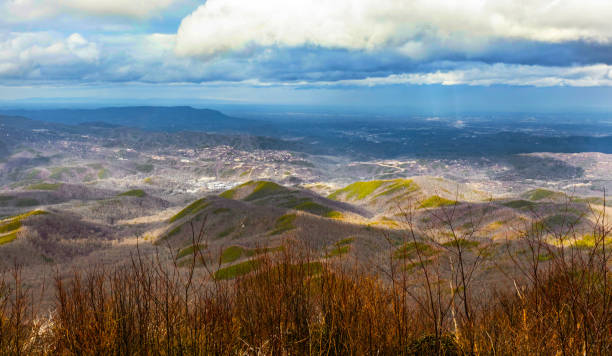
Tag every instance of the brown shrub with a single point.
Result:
(292, 303)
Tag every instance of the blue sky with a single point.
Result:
(422, 55)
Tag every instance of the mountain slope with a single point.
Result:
(390, 196)
(145, 117)
(271, 194)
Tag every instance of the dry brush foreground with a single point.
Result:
(295, 303)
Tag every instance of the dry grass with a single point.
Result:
(291, 303)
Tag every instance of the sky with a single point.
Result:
(423, 55)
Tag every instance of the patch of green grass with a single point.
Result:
(144, 168)
(58, 173)
(148, 180)
(174, 231)
(588, 241)
(103, 173)
(463, 243)
(228, 194)
(398, 185)
(234, 253)
(231, 193)
(341, 247)
(226, 232)
(237, 270)
(290, 200)
(435, 202)
(30, 213)
(334, 215)
(221, 210)
(539, 194)
(133, 193)
(313, 208)
(14, 223)
(231, 254)
(345, 241)
(338, 251)
(385, 221)
(496, 224)
(589, 200)
(309, 206)
(519, 204)
(45, 186)
(22, 203)
(357, 190)
(560, 220)
(263, 189)
(4, 239)
(412, 266)
(193, 208)
(545, 257)
(283, 224)
(189, 250)
(409, 250)
(10, 226)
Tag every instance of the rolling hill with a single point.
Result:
(153, 118)
(260, 216)
(360, 222)
(388, 196)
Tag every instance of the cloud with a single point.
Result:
(307, 43)
(136, 8)
(28, 10)
(459, 124)
(497, 74)
(45, 55)
(51, 57)
(415, 29)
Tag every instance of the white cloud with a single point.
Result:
(48, 57)
(476, 74)
(29, 55)
(18, 10)
(459, 124)
(136, 8)
(81, 48)
(409, 26)
(26, 10)
(498, 74)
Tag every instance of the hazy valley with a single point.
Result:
(226, 198)
(102, 186)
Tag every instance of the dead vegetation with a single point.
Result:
(427, 299)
